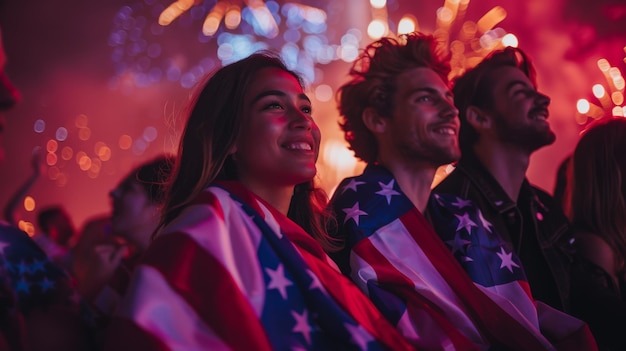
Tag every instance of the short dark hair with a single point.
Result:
(46, 216)
(153, 176)
(373, 84)
(474, 87)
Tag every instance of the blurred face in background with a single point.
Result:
(133, 213)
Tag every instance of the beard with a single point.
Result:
(528, 136)
(431, 153)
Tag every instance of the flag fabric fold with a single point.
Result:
(232, 273)
(460, 288)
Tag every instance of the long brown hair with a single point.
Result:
(598, 198)
(215, 119)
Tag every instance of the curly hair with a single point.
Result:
(474, 87)
(374, 82)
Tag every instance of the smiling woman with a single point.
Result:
(240, 249)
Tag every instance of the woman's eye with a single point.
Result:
(307, 109)
(273, 106)
(424, 98)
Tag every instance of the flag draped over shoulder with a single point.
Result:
(31, 285)
(420, 280)
(233, 273)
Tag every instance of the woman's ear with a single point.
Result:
(373, 121)
(233, 152)
(478, 118)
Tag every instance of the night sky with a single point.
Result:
(85, 86)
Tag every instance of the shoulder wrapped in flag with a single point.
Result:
(461, 291)
(232, 273)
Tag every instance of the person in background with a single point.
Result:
(57, 235)
(106, 267)
(238, 261)
(39, 308)
(561, 191)
(504, 120)
(598, 215)
(10, 210)
(458, 284)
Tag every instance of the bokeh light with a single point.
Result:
(125, 142)
(376, 29)
(323, 92)
(598, 91)
(52, 146)
(407, 24)
(61, 134)
(582, 106)
(40, 126)
(27, 227)
(609, 96)
(29, 203)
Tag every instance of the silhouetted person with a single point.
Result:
(598, 215)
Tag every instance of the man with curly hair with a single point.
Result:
(457, 284)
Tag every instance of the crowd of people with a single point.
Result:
(231, 245)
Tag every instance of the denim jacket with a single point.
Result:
(535, 222)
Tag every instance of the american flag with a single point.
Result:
(232, 273)
(462, 289)
(29, 278)
(31, 285)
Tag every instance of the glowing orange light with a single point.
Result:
(67, 153)
(28, 227)
(52, 145)
(79, 156)
(491, 18)
(603, 65)
(81, 121)
(617, 97)
(104, 153)
(445, 15)
(84, 163)
(84, 134)
(125, 142)
(29, 203)
(233, 17)
(51, 159)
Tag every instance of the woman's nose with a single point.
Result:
(302, 120)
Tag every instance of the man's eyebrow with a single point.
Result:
(427, 90)
(515, 83)
(279, 93)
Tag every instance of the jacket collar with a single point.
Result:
(476, 172)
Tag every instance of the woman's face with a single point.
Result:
(279, 141)
(132, 212)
